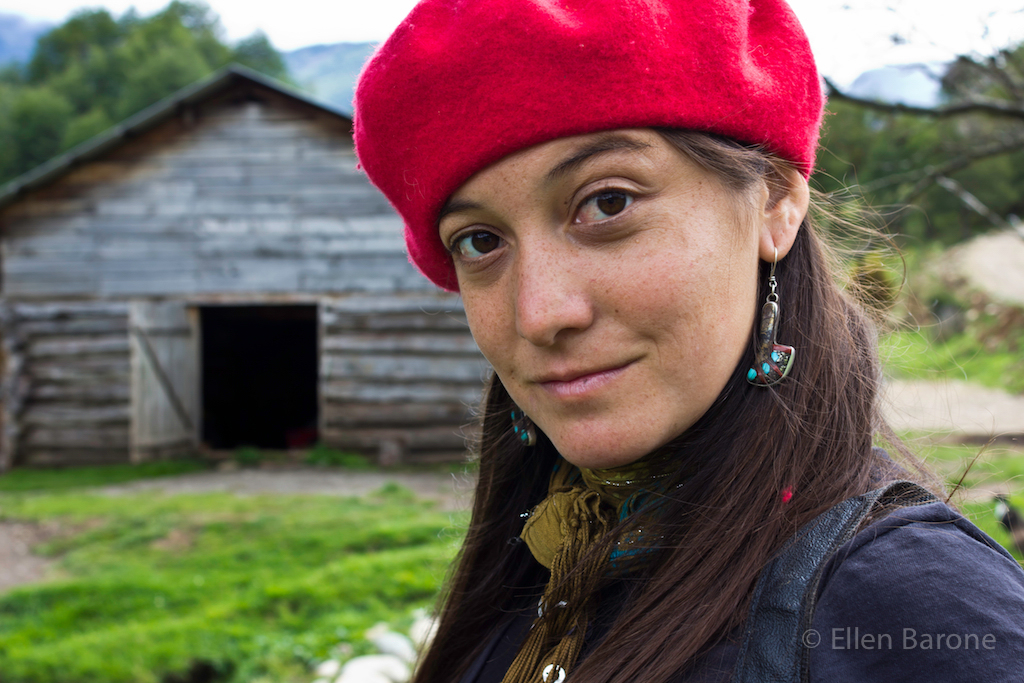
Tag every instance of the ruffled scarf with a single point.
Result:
(582, 506)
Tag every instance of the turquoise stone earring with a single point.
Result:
(772, 361)
(522, 428)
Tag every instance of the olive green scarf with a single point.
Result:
(582, 506)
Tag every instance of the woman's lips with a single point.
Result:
(583, 384)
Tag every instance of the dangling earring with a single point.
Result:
(522, 427)
(772, 362)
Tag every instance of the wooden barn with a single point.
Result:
(216, 273)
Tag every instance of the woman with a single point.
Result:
(618, 190)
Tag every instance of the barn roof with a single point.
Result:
(148, 118)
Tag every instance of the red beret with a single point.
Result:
(461, 84)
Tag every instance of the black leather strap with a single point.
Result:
(782, 607)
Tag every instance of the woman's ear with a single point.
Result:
(783, 212)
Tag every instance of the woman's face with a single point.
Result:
(611, 283)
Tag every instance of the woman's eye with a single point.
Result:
(475, 244)
(603, 206)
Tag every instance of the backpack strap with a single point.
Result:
(785, 595)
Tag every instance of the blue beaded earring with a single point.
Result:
(522, 427)
(772, 362)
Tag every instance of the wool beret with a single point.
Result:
(461, 84)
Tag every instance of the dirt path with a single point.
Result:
(453, 492)
(953, 408)
(17, 563)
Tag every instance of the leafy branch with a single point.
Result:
(976, 105)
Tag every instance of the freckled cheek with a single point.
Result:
(493, 329)
(673, 278)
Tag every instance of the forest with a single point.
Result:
(95, 70)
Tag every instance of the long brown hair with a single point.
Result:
(721, 525)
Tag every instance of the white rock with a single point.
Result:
(362, 678)
(328, 669)
(397, 644)
(374, 669)
(422, 631)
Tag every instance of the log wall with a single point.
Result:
(250, 198)
(401, 376)
(66, 389)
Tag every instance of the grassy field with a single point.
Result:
(254, 588)
(915, 355)
(979, 470)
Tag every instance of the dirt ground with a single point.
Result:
(944, 409)
(953, 408)
(451, 491)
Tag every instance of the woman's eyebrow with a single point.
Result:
(455, 205)
(602, 146)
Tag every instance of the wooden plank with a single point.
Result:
(433, 303)
(344, 280)
(340, 324)
(82, 370)
(76, 437)
(95, 269)
(96, 394)
(78, 346)
(121, 227)
(43, 457)
(357, 391)
(34, 208)
(75, 327)
(57, 310)
(349, 415)
(165, 377)
(401, 368)
(415, 342)
(255, 246)
(56, 416)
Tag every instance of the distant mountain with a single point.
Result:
(329, 72)
(18, 37)
(911, 84)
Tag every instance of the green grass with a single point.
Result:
(993, 467)
(258, 587)
(24, 479)
(914, 355)
(976, 466)
(983, 515)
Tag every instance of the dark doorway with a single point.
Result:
(259, 376)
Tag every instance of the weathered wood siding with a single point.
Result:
(400, 375)
(249, 197)
(246, 197)
(66, 391)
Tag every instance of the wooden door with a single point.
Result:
(165, 379)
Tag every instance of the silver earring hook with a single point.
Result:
(772, 296)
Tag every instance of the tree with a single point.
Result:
(38, 119)
(95, 70)
(257, 53)
(961, 163)
(57, 50)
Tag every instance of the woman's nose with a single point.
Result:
(551, 299)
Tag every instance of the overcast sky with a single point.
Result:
(848, 36)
